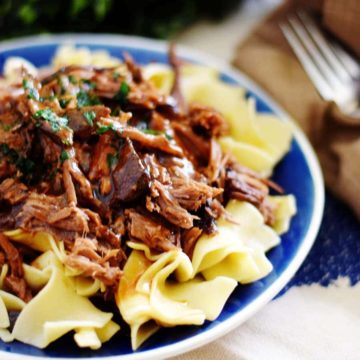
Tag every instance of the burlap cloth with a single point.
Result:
(268, 59)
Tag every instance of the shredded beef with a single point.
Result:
(207, 121)
(167, 206)
(107, 274)
(192, 194)
(150, 141)
(189, 239)
(214, 167)
(88, 256)
(130, 177)
(18, 286)
(154, 234)
(176, 88)
(12, 191)
(97, 157)
(50, 213)
(82, 126)
(194, 146)
(14, 281)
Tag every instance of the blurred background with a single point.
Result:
(152, 18)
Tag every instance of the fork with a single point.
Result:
(333, 71)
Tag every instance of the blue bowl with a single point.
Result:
(298, 173)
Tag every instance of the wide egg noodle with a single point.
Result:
(40, 241)
(86, 286)
(36, 278)
(237, 250)
(285, 206)
(3, 273)
(148, 298)
(12, 70)
(160, 75)
(8, 302)
(44, 319)
(193, 293)
(134, 306)
(4, 317)
(43, 241)
(71, 55)
(248, 155)
(149, 254)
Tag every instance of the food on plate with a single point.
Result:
(145, 188)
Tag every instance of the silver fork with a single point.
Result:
(333, 71)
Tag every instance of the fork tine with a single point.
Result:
(315, 75)
(325, 46)
(311, 48)
(349, 62)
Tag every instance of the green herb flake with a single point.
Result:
(72, 79)
(156, 132)
(33, 94)
(56, 122)
(112, 160)
(64, 156)
(115, 112)
(7, 127)
(90, 117)
(26, 84)
(64, 103)
(121, 95)
(32, 91)
(102, 129)
(24, 165)
(152, 132)
(89, 83)
(85, 99)
(116, 75)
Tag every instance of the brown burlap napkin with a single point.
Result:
(268, 59)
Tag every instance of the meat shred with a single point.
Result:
(14, 281)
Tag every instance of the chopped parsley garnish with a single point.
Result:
(116, 75)
(112, 160)
(72, 79)
(89, 83)
(66, 142)
(23, 164)
(90, 116)
(156, 132)
(64, 103)
(121, 95)
(152, 132)
(50, 98)
(85, 99)
(102, 129)
(115, 112)
(56, 122)
(32, 91)
(64, 156)
(8, 127)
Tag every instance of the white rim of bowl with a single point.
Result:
(237, 319)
